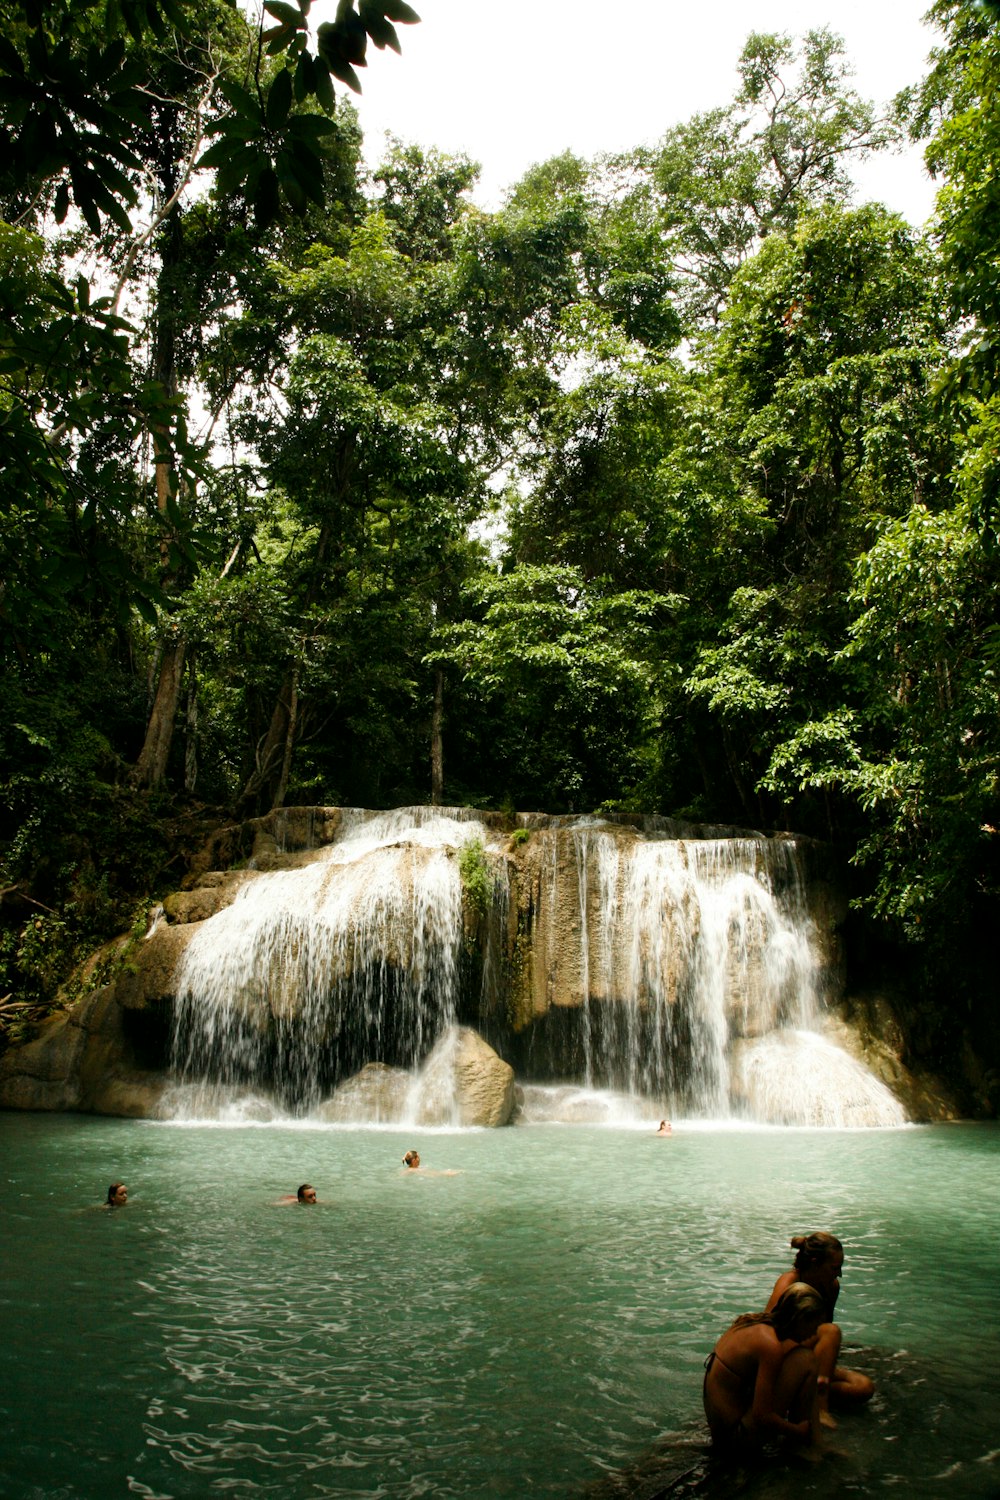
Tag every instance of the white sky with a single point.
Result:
(513, 82)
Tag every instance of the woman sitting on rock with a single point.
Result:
(760, 1379)
(818, 1264)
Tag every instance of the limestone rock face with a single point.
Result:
(84, 1060)
(216, 890)
(148, 977)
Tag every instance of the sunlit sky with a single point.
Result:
(512, 82)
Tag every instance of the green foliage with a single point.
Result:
(728, 178)
(74, 80)
(959, 107)
(477, 878)
(457, 483)
(566, 674)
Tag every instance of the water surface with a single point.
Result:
(535, 1324)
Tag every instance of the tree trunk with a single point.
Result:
(270, 775)
(151, 767)
(437, 742)
(286, 759)
(191, 730)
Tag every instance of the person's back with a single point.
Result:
(760, 1379)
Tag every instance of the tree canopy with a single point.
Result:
(670, 485)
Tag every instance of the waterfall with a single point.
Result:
(696, 975)
(676, 969)
(310, 972)
(674, 936)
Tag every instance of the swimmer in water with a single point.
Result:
(117, 1195)
(665, 1128)
(305, 1194)
(412, 1162)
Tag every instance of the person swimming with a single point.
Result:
(819, 1263)
(117, 1195)
(755, 1385)
(665, 1128)
(411, 1161)
(305, 1194)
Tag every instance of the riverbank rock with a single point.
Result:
(87, 1059)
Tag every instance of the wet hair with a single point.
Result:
(799, 1304)
(112, 1190)
(410, 1157)
(815, 1249)
(305, 1188)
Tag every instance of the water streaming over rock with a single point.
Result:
(312, 972)
(693, 943)
(684, 974)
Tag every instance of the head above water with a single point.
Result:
(117, 1195)
(798, 1312)
(307, 1193)
(411, 1159)
(816, 1250)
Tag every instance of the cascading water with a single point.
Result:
(685, 957)
(311, 972)
(679, 974)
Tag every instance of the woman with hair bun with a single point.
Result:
(819, 1262)
(760, 1379)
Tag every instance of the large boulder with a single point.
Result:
(375, 1096)
(465, 1082)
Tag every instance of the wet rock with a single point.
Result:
(375, 1096)
(148, 976)
(465, 1082)
(217, 889)
(84, 1060)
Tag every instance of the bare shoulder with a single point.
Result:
(784, 1281)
